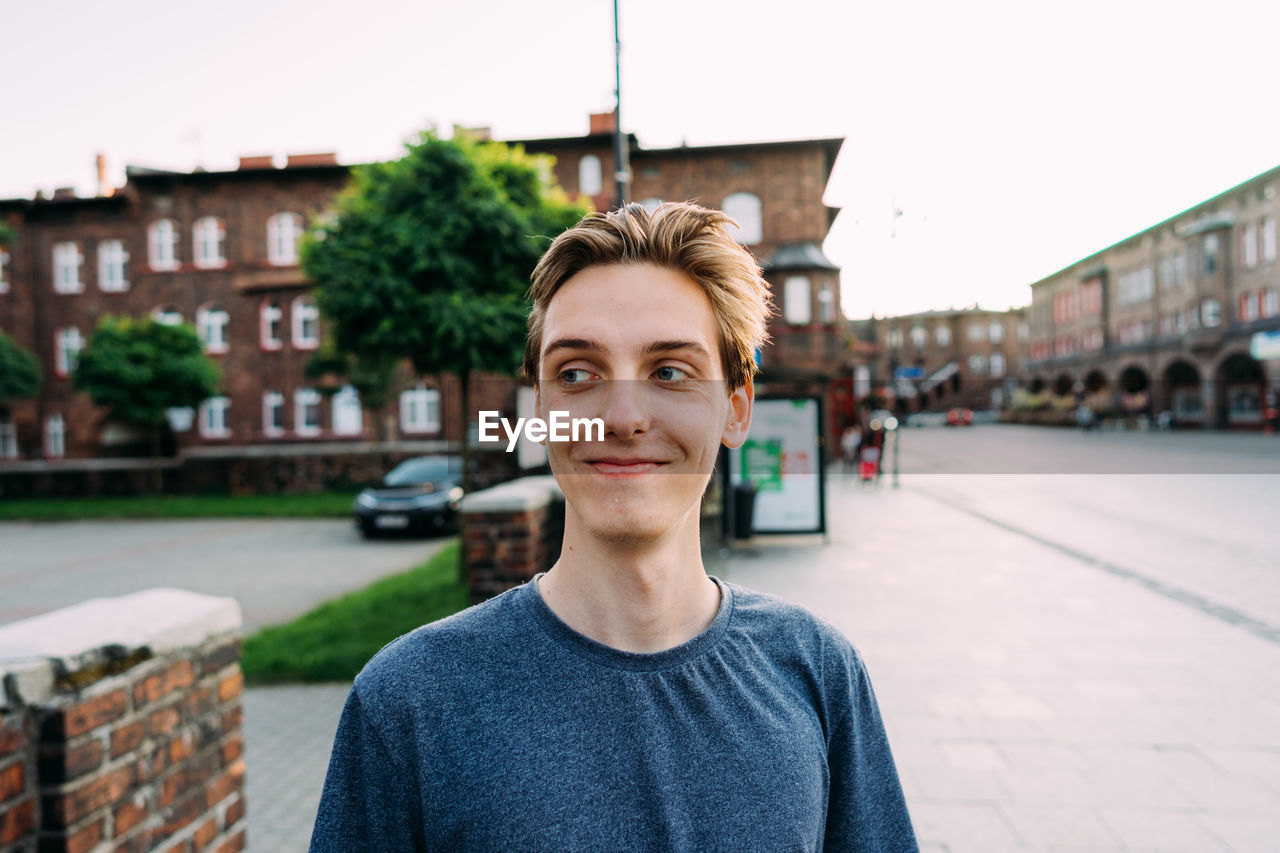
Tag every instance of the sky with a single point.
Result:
(1014, 137)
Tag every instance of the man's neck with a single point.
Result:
(645, 598)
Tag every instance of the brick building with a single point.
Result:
(219, 250)
(1163, 320)
(934, 360)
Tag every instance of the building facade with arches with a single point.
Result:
(1167, 323)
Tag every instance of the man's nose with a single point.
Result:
(625, 412)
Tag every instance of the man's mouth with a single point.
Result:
(622, 466)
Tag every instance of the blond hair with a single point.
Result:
(677, 235)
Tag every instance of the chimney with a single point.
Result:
(327, 159)
(104, 188)
(64, 193)
(263, 161)
(603, 122)
(479, 134)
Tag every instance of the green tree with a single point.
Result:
(428, 258)
(139, 368)
(19, 371)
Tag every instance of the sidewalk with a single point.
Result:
(1033, 702)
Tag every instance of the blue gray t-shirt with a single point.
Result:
(502, 728)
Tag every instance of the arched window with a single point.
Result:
(209, 236)
(55, 437)
(284, 230)
(162, 245)
(270, 325)
(306, 323)
(273, 413)
(66, 267)
(67, 347)
(111, 270)
(797, 306)
(213, 417)
(590, 177)
(306, 411)
(744, 208)
(419, 410)
(4, 270)
(8, 438)
(348, 417)
(211, 324)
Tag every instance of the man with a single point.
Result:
(624, 700)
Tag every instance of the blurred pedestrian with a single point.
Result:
(850, 442)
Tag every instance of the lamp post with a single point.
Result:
(621, 166)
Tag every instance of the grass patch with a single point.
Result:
(332, 642)
(323, 505)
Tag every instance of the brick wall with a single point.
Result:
(510, 533)
(120, 740)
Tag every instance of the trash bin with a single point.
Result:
(744, 508)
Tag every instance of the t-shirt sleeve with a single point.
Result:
(370, 801)
(866, 809)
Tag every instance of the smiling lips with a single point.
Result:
(622, 466)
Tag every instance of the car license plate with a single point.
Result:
(393, 522)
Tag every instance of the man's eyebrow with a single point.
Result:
(574, 343)
(669, 346)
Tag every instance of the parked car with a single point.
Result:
(960, 417)
(420, 495)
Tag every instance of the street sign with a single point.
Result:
(782, 456)
(909, 373)
(1265, 346)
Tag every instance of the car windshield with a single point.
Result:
(412, 472)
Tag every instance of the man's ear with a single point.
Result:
(739, 419)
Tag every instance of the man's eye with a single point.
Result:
(574, 376)
(668, 373)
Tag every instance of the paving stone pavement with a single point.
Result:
(1033, 701)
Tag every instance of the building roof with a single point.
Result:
(1204, 223)
(798, 256)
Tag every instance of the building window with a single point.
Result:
(66, 268)
(211, 323)
(1268, 238)
(977, 331)
(1249, 246)
(590, 177)
(348, 417)
(1209, 254)
(67, 347)
(111, 260)
(744, 208)
(273, 413)
(420, 410)
(168, 315)
(162, 245)
(209, 236)
(306, 323)
(213, 417)
(919, 337)
(798, 304)
(1270, 303)
(284, 231)
(8, 438)
(1091, 297)
(270, 321)
(895, 338)
(996, 332)
(1248, 307)
(1024, 331)
(826, 302)
(1210, 313)
(306, 411)
(942, 336)
(4, 270)
(1179, 267)
(997, 364)
(55, 437)
(180, 418)
(977, 364)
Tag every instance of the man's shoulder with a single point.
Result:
(780, 623)
(444, 650)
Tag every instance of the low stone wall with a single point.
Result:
(261, 470)
(120, 727)
(510, 533)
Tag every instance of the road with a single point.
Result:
(275, 569)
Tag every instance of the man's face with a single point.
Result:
(637, 347)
